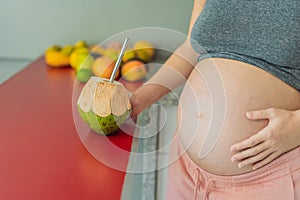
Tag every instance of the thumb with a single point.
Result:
(259, 114)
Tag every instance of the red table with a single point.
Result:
(41, 154)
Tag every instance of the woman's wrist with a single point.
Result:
(139, 100)
(149, 93)
(145, 96)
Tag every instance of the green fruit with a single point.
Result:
(83, 75)
(103, 105)
(85, 61)
(103, 125)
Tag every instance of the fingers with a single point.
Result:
(254, 159)
(250, 142)
(265, 161)
(256, 150)
(261, 114)
(133, 116)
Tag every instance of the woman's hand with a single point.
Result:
(280, 135)
(137, 105)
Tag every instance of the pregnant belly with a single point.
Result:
(213, 105)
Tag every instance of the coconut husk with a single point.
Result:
(104, 98)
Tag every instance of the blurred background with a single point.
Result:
(28, 27)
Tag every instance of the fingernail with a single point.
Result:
(232, 148)
(233, 159)
(240, 165)
(254, 168)
(248, 114)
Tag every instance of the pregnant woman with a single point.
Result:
(238, 131)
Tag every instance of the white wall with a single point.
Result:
(27, 27)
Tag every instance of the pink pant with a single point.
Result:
(279, 180)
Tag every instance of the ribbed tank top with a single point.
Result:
(265, 33)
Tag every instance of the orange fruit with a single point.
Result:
(133, 70)
(103, 67)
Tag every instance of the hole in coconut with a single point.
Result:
(98, 79)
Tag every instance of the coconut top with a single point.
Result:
(104, 97)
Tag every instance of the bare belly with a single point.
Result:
(213, 105)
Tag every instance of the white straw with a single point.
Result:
(112, 77)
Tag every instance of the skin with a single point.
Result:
(182, 61)
(246, 87)
(280, 135)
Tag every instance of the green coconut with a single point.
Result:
(103, 105)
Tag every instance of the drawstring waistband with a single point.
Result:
(205, 192)
(198, 183)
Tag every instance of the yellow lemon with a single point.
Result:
(81, 43)
(142, 55)
(128, 55)
(145, 46)
(53, 48)
(85, 61)
(74, 58)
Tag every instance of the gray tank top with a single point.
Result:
(265, 33)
